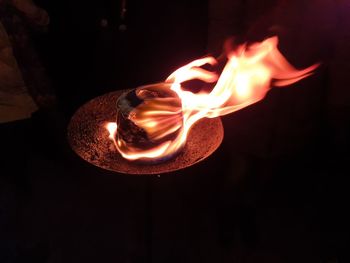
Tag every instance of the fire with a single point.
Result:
(247, 77)
(112, 129)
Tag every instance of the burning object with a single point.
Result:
(156, 128)
(147, 119)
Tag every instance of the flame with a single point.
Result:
(245, 80)
(112, 129)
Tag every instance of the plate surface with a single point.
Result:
(89, 139)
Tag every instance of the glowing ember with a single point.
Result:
(245, 80)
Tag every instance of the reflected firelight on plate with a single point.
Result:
(248, 75)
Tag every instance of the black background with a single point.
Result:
(237, 206)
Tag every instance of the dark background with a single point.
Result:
(275, 191)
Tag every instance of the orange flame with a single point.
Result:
(245, 80)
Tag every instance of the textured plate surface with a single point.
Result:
(89, 139)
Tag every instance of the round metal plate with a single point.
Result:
(89, 139)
